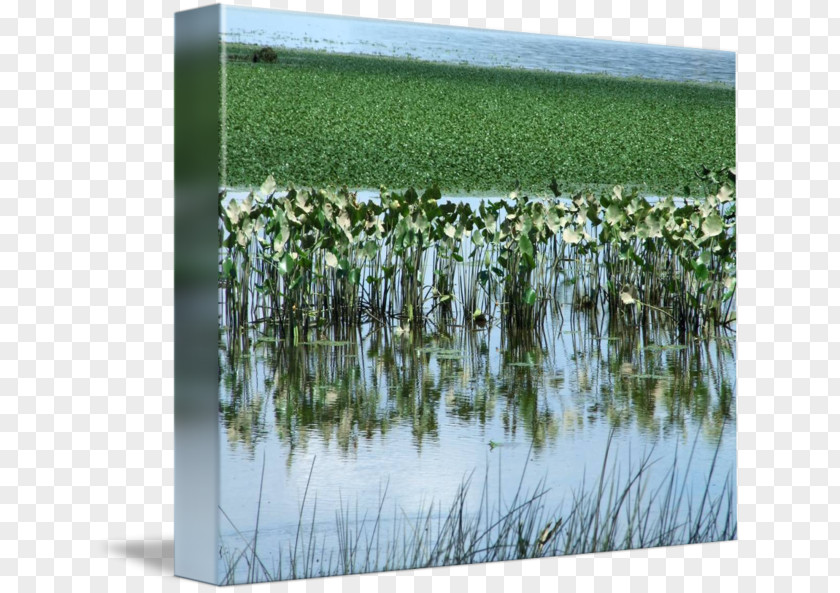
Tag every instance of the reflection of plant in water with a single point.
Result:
(657, 388)
(241, 409)
(354, 388)
(522, 384)
(322, 390)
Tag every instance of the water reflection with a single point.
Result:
(356, 387)
(357, 413)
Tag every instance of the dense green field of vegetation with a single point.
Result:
(319, 119)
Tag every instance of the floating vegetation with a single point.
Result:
(440, 351)
(298, 261)
(656, 347)
(320, 119)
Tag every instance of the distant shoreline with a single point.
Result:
(252, 47)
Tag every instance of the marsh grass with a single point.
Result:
(623, 509)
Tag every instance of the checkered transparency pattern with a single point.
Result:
(86, 296)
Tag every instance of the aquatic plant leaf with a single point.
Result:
(553, 221)
(268, 186)
(343, 221)
(654, 225)
(614, 214)
(228, 268)
(694, 219)
(233, 211)
(572, 235)
(592, 214)
(303, 203)
(285, 265)
(331, 260)
(530, 296)
(713, 225)
(525, 246)
(370, 249)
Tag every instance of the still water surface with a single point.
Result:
(416, 414)
(475, 46)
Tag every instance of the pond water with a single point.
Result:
(475, 46)
(354, 419)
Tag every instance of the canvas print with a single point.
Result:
(476, 296)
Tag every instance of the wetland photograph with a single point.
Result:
(477, 296)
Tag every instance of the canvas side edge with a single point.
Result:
(196, 86)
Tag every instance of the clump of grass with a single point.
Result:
(622, 511)
(265, 54)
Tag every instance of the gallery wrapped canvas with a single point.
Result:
(447, 296)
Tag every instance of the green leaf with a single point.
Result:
(525, 246)
(268, 186)
(228, 268)
(713, 225)
(285, 264)
(530, 296)
(614, 214)
(571, 235)
(370, 249)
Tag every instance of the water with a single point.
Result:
(476, 46)
(369, 410)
